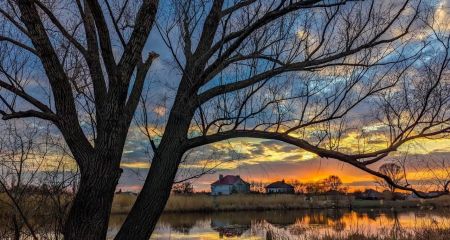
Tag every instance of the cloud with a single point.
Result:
(135, 165)
(159, 110)
(443, 15)
(294, 157)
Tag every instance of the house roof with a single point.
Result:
(228, 180)
(279, 184)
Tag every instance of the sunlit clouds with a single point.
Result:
(443, 15)
(159, 110)
(138, 165)
(269, 160)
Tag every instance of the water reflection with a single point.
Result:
(291, 224)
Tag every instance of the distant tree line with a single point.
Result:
(331, 183)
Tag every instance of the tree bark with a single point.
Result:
(151, 201)
(89, 215)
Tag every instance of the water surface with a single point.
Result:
(292, 224)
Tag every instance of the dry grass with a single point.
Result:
(37, 204)
(234, 202)
(431, 232)
(442, 201)
(424, 234)
(122, 203)
(205, 203)
(237, 202)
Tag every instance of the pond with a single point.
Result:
(292, 224)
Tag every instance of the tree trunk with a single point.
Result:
(151, 201)
(89, 215)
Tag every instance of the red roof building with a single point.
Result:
(229, 184)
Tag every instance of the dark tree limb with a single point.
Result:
(29, 114)
(104, 39)
(61, 87)
(355, 160)
(18, 44)
(139, 81)
(133, 50)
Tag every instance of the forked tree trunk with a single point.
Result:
(151, 201)
(89, 215)
(100, 172)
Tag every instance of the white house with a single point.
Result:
(279, 187)
(229, 184)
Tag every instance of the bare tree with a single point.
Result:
(183, 188)
(314, 188)
(292, 71)
(332, 183)
(257, 187)
(194, 164)
(33, 180)
(395, 172)
(19, 169)
(298, 186)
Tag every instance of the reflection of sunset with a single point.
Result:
(297, 224)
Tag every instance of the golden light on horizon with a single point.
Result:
(257, 152)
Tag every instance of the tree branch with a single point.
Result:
(133, 50)
(25, 96)
(139, 81)
(28, 114)
(354, 160)
(19, 44)
(59, 82)
(60, 27)
(105, 40)
(93, 58)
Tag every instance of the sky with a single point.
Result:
(266, 160)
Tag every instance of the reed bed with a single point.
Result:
(237, 202)
(429, 232)
(207, 203)
(240, 202)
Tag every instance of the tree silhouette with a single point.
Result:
(332, 183)
(183, 188)
(290, 71)
(395, 172)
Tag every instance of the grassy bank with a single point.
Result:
(205, 203)
(426, 233)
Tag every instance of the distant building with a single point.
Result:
(430, 194)
(120, 192)
(279, 187)
(229, 184)
(369, 194)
